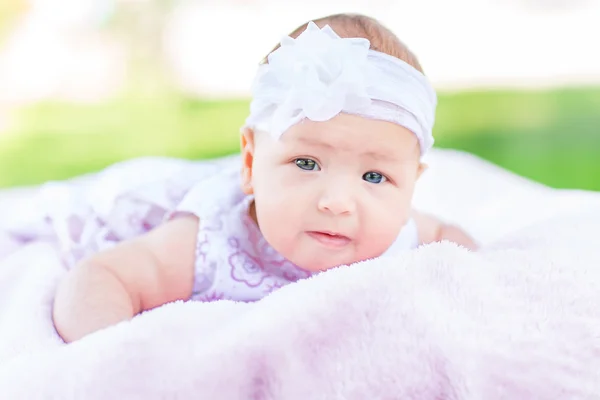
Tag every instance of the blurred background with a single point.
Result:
(86, 83)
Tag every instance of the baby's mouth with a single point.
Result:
(329, 239)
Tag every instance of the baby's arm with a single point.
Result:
(134, 276)
(432, 230)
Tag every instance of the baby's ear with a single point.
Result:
(422, 168)
(247, 150)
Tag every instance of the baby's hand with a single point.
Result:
(431, 230)
(457, 235)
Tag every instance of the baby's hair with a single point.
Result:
(357, 25)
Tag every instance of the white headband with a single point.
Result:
(318, 75)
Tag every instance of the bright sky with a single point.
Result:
(213, 46)
(461, 43)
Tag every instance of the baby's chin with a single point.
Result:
(311, 255)
(323, 260)
(321, 264)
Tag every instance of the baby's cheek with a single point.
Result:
(379, 238)
(276, 225)
(373, 249)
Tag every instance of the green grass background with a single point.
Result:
(550, 136)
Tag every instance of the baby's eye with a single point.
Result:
(374, 177)
(307, 164)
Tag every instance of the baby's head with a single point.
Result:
(332, 149)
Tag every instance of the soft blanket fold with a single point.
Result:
(518, 320)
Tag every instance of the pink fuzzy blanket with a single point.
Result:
(518, 320)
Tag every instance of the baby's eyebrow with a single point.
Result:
(381, 156)
(384, 155)
(314, 142)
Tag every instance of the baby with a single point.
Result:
(340, 118)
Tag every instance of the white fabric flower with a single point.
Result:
(318, 75)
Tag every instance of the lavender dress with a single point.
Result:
(233, 260)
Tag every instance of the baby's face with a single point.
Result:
(332, 193)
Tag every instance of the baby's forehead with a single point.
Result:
(354, 135)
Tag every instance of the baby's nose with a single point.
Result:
(337, 201)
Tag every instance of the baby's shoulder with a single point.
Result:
(205, 192)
